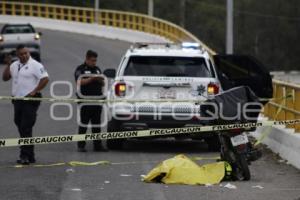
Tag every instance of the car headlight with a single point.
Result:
(37, 36)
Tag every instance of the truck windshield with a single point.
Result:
(167, 66)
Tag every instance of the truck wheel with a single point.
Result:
(114, 144)
(213, 143)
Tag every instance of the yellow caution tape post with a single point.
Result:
(182, 170)
(138, 133)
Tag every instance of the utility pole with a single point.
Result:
(96, 8)
(229, 27)
(182, 13)
(150, 8)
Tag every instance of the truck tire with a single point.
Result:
(114, 144)
(213, 143)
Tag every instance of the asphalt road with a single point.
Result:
(271, 178)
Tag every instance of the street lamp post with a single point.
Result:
(150, 8)
(182, 13)
(229, 27)
(96, 8)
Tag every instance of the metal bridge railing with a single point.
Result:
(119, 19)
(290, 107)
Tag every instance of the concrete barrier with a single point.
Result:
(283, 141)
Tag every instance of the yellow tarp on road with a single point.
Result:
(182, 170)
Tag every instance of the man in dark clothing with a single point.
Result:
(89, 85)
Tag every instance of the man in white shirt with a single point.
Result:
(29, 77)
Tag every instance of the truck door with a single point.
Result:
(238, 70)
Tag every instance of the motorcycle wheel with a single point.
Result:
(238, 163)
(244, 167)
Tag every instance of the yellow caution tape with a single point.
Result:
(137, 133)
(35, 165)
(48, 165)
(74, 100)
(78, 163)
(101, 162)
(71, 163)
(269, 129)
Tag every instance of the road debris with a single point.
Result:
(230, 186)
(258, 187)
(70, 170)
(125, 175)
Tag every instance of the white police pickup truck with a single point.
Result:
(163, 85)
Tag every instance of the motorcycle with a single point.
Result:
(237, 105)
(237, 150)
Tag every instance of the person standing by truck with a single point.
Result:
(89, 85)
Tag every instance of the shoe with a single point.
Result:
(81, 149)
(23, 161)
(32, 160)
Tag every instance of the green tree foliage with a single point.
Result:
(207, 20)
(269, 30)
